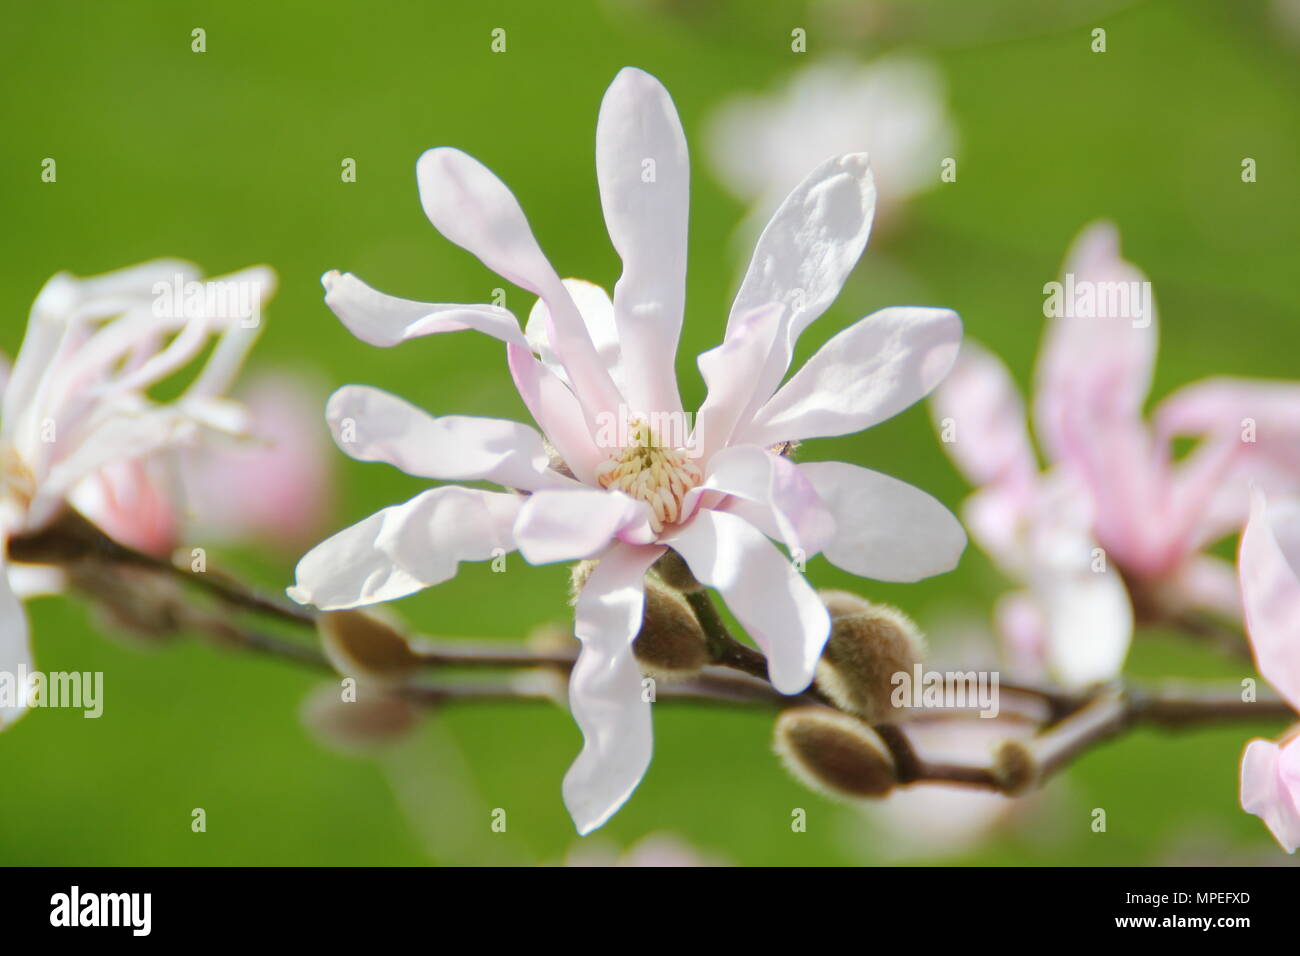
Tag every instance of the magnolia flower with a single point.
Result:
(615, 474)
(761, 145)
(1114, 522)
(269, 483)
(76, 406)
(1269, 568)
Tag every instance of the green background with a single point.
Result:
(232, 157)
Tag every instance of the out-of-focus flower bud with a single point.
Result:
(671, 641)
(1015, 766)
(361, 645)
(869, 644)
(834, 753)
(374, 720)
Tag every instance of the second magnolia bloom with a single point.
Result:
(720, 496)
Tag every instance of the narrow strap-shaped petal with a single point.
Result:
(1085, 605)
(405, 548)
(605, 693)
(386, 320)
(1269, 568)
(990, 435)
(370, 424)
(885, 529)
(644, 177)
(1102, 360)
(784, 503)
(1270, 788)
(597, 312)
(773, 602)
(469, 205)
(731, 372)
(864, 375)
(572, 524)
(15, 649)
(806, 253)
(557, 412)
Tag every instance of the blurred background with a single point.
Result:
(233, 156)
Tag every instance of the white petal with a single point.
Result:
(372, 425)
(865, 374)
(597, 311)
(644, 176)
(1270, 788)
(570, 525)
(469, 205)
(772, 601)
(807, 251)
(885, 529)
(1269, 569)
(605, 693)
(407, 547)
(557, 410)
(731, 372)
(990, 440)
(386, 320)
(15, 649)
(786, 505)
(1084, 602)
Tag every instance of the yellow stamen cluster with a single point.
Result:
(659, 476)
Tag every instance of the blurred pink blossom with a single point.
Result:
(1269, 566)
(1115, 525)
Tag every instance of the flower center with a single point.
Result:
(659, 476)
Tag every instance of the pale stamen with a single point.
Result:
(648, 472)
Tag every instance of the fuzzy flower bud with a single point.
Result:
(671, 641)
(869, 644)
(374, 720)
(834, 753)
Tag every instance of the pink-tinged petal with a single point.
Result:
(15, 647)
(1211, 584)
(989, 439)
(605, 694)
(773, 602)
(134, 502)
(64, 302)
(578, 523)
(231, 305)
(385, 320)
(1082, 596)
(1268, 563)
(405, 548)
(998, 516)
(1023, 633)
(865, 374)
(1102, 362)
(644, 176)
(1223, 406)
(597, 312)
(117, 435)
(806, 253)
(731, 373)
(1131, 485)
(1270, 788)
(784, 501)
(469, 205)
(885, 529)
(557, 411)
(373, 425)
(272, 484)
